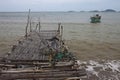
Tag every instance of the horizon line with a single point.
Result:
(61, 10)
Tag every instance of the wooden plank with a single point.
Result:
(23, 63)
(14, 71)
(6, 65)
(74, 78)
(39, 74)
(48, 31)
(42, 64)
(27, 60)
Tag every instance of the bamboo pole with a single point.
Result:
(39, 24)
(28, 21)
(36, 26)
(59, 24)
(30, 25)
(61, 31)
(61, 36)
(58, 34)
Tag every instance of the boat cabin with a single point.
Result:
(95, 19)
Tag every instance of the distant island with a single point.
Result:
(71, 11)
(107, 10)
(94, 11)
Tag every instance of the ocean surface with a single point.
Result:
(80, 34)
(97, 46)
(76, 24)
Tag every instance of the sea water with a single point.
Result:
(87, 40)
(76, 24)
(104, 36)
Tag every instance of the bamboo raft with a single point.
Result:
(30, 58)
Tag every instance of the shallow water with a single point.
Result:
(87, 40)
(103, 70)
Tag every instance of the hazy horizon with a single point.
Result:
(61, 11)
(58, 5)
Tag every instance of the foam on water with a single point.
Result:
(111, 69)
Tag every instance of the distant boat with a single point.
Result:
(96, 19)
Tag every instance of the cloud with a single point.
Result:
(48, 1)
(69, 1)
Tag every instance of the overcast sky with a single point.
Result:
(58, 5)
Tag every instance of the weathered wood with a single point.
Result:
(22, 63)
(33, 54)
(40, 74)
(41, 71)
(30, 25)
(34, 47)
(28, 21)
(7, 65)
(45, 65)
(39, 25)
(26, 60)
(73, 78)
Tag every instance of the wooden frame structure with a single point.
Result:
(29, 59)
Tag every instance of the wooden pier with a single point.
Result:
(40, 55)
